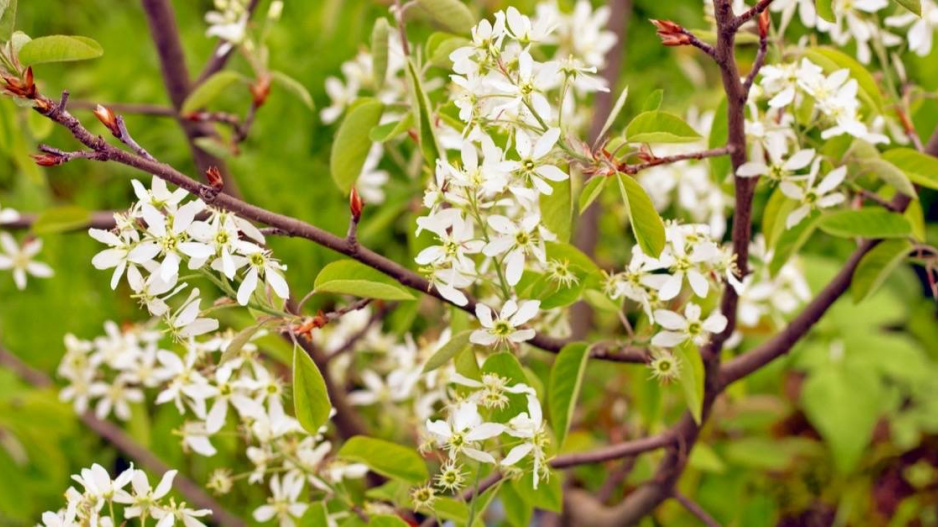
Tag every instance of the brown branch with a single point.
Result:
(129, 108)
(759, 62)
(617, 451)
(165, 34)
(753, 12)
(116, 437)
(103, 219)
(695, 509)
(618, 352)
(704, 154)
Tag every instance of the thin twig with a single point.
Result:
(715, 152)
(695, 509)
(753, 12)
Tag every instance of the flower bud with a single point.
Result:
(47, 159)
(356, 205)
(215, 180)
(764, 21)
(260, 90)
(24, 87)
(671, 34)
(108, 119)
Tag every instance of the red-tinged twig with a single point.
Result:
(617, 352)
(753, 12)
(764, 21)
(695, 509)
(116, 437)
(656, 161)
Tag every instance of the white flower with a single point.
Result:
(20, 259)
(813, 197)
(221, 233)
(529, 426)
(505, 328)
(678, 329)
(517, 240)
(781, 168)
(524, 31)
(371, 181)
(341, 95)
(922, 30)
(64, 518)
(117, 257)
(117, 395)
(8, 215)
(283, 503)
(97, 482)
(185, 322)
(533, 81)
(464, 428)
(189, 517)
(168, 237)
(533, 168)
(260, 264)
(159, 195)
(806, 11)
(145, 499)
(456, 237)
(196, 437)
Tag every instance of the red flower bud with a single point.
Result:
(108, 119)
(356, 205)
(24, 87)
(215, 180)
(764, 22)
(671, 34)
(48, 159)
(260, 90)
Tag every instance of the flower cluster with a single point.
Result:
(466, 436)
(99, 497)
(119, 368)
(162, 231)
(229, 22)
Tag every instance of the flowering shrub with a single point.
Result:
(504, 340)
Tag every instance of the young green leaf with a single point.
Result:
(825, 10)
(379, 51)
(591, 190)
(61, 219)
(870, 222)
(647, 225)
(310, 398)
(791, 240)
(887, 172)
(209, 90)
(386, 458)
(7, 19)
(294, 87)
(439, 47)
(452, 15)
(773, 218)
(420, 106)
(616, 109)
(691, 377)
(548, 495)
(566, 378)
(448, 351)
(59, 48)
(659, 127)
(914, 6)
(238, 342)
(653, 102)
(557, 209)
(921, 169)
(391, 130)
(352, 143)
(876, 266)
(349, 277)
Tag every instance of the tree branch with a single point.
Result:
(696, 510)
(116, 437)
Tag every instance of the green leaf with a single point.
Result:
(386, 458)
(914, 6)
(7, 19)
(921, 168)
(517, 511)
(386, 520)
(448, 351)
(773, 218)
(440, 45)
(350, 277)
(888, 173)
(869, 222)
(293, 86)
(844, 404)
(647, 225)
(452, 15)
(548, 495)
(420, 105)
(390, 130)
(591, 190)
(653, 102)
(379, 51)
(58, 48)
(659, 127)
(238, 342)
(791, 241)
(825, 10)
(209, 90)
(310, 397)
(316, 515)
(352, 143)
(616, 109)
(876, 266)
(566, 378)
(61, 219)
(557, 209)
(832, 59)
(691, 377)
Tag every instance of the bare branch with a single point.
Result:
(656, 161)
(753, 12)
(696, 510)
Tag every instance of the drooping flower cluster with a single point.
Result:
(98, 498)
(163, 231)
(126, 366)
(480, 428)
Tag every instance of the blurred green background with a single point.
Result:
(284, 167)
